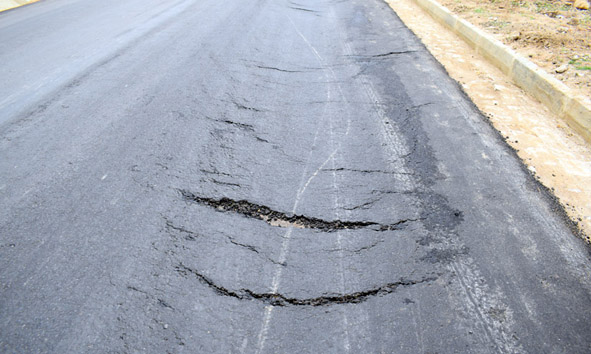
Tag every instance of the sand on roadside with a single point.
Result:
(559, 158)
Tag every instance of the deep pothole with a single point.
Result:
(281, 219)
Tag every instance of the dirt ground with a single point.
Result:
(11, 4)
(551, 33)
(553, 153)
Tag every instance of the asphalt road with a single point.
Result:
(264, 176)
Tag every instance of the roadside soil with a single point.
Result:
(11, 4)
(559, 158)
(551, 33)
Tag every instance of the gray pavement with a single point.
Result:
(264, 176)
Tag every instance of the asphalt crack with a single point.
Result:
(343, 169)
(368, 247)
(280, 300)
(357, 250)
(215, 172)
(280, 219)
(277, 69)
(238, 125)
(222, 183)
(392, 53)
(161, 302)
(385, 55)
(365, 205)
(189, 235)
(192, 236)
(303, 9)
(244, 107)
(248, 247)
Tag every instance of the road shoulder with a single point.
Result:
(11, 4)
(557, 156)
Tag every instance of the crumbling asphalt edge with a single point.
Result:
(561, 100)
(533, 181)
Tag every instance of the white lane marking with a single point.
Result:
(337, 206)
(303, 189)
(287, 237)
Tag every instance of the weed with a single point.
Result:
(520, 3)
(543, 6)
(496, 23)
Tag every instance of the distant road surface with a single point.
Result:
(264, 176)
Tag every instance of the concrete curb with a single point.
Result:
(562, 101)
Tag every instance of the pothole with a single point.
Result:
(277, 299)
(281, 219)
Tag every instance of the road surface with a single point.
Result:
(264, 176)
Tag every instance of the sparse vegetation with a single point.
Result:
(551, 33)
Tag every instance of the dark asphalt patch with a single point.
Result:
(444, 255)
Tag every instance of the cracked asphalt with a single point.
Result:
(264, 176)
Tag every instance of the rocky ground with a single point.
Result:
(553, 34)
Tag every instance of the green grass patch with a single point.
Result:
(515, 3)
(546, 6)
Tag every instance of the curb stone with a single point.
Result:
(574, 109)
